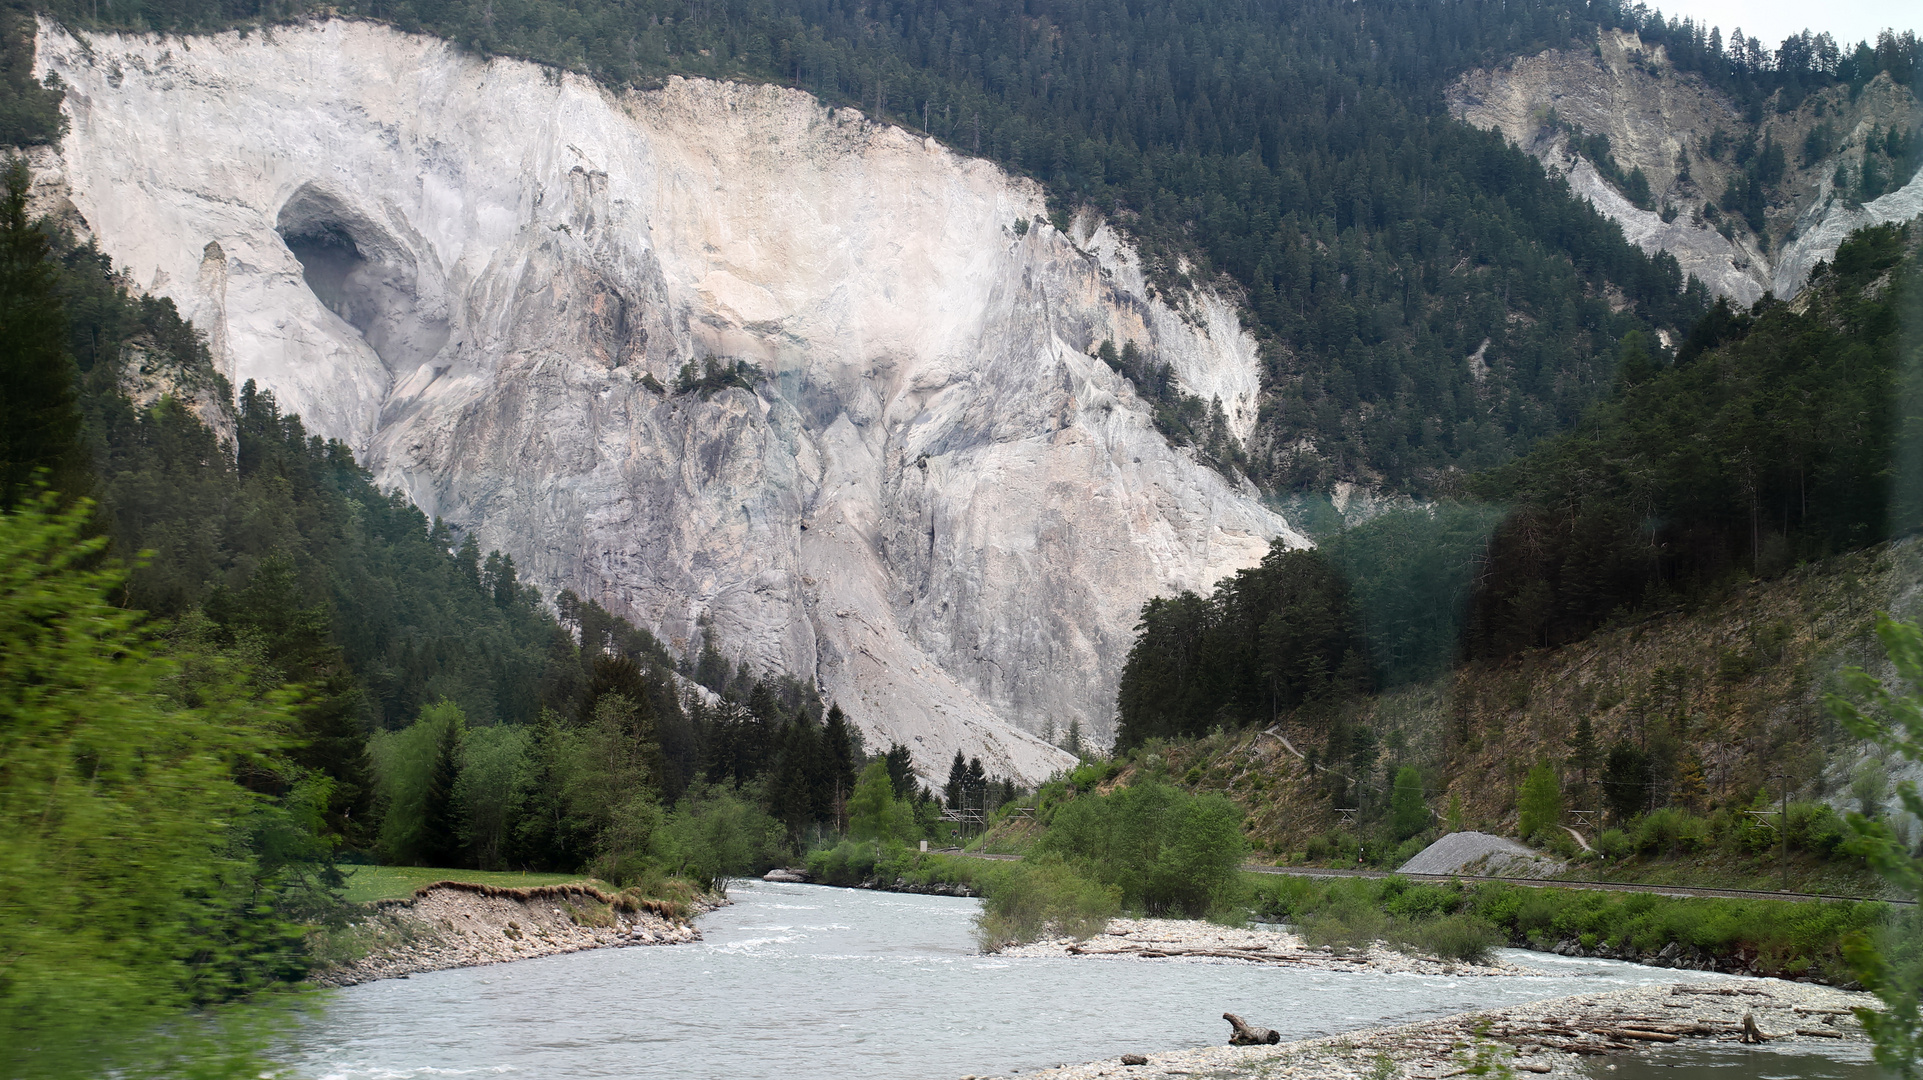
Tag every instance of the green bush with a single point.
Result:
(715, 835)
(1165, 850)
(1539, 803)
(1453, 937)
(1671, 831)
(1042, 897)
(1448, 921)
(1614, 844)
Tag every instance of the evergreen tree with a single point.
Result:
(793, 791)
(1584, 754)
(39, 410)
(440, 843)
(1625, 782)
(901, 770)
(954, 791)
(975, 786)
(838, 767)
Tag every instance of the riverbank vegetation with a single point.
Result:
(1463, 920)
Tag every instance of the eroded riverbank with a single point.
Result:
(451, 925)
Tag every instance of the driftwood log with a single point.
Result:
(1250, 1036)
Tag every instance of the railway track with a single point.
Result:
(1554, 883)
(1534, 883)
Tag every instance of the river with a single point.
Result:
(799, 982)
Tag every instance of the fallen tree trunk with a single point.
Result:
(1250, 1036)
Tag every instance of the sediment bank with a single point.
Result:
(1549, 1038)
(454, 924)
(1194, 940)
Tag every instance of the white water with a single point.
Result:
(799, 982)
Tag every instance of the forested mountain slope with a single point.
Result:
(1749, 167)
(1681, 576)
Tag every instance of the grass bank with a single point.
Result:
(1458, 920)
(368, 884)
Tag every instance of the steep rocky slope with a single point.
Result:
(1732, 688)
(1666, 123)
(487, 278)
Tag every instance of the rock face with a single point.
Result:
(487, 276)
(1665, 123)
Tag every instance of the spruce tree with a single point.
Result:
(39, 411)
(976, 786)
(1584, 753)
(952, 792)
(793, 790)
(838, 765)
(901, 770)
(440, 823)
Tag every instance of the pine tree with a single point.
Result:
(1584, 753)
(957, 786)
(901, 770)
(975, 788)
(39, 411)
(1073, 742)
(838, 762)
(440, 824)
(793, 790)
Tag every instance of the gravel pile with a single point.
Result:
(1477, 854)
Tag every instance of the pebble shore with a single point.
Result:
(1201, 942)
(1549, 1038)
(444, 927)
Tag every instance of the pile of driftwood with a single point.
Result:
(1612, 1031)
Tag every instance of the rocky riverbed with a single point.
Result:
(1203, 942)
(1549, 1038)
(450, 925)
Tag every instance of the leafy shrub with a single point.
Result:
(1044, 896)
(1164, 849)
(1453, 937)
(1671, 831)
(1614, 844)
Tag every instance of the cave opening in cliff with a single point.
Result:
(327, 257)
(358, 271)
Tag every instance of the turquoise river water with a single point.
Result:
(802, 982)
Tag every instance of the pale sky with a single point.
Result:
(1849, 21)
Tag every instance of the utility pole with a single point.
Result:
(1782, 823)
(1783, 816)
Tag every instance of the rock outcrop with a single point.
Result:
(1687, 139)
(490, 278)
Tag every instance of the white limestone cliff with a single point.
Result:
(936, 503)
